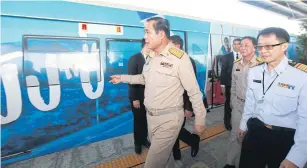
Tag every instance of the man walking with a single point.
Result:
(166, 73)
(275, 111)
(238, 90)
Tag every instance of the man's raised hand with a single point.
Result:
(115, 79)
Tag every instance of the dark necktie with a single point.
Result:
(237, 55)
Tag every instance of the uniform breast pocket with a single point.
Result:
(285, 102)
(163, 77)
(237, 75)
(257, 90)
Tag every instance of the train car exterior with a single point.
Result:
(55, 63)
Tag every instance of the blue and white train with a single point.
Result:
(56, 59)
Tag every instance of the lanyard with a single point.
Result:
(264, 92)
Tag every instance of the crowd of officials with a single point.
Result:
(265, 107)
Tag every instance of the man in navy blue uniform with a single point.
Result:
(274, 121)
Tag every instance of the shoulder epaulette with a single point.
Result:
(259, 59)
(237, 60)
(176, 52)
(299, 66)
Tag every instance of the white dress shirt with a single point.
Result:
(284, 104)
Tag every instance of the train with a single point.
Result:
(57, 58)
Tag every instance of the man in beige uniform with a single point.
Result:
(238, 90)
(166, 73)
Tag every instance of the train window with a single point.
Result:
(52, 60)
(118, 53)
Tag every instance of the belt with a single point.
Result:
(157, 112)
(272, 127)
(242, 100)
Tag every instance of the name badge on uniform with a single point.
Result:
(288, 86)
(260, 101)
(237, 69)
(166, 65)
(257, 81)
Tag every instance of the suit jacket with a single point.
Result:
(186, 101)
(227, 64)
(135, 66)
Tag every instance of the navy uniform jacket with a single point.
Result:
(284, 104)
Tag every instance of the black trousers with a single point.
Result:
(205, 102)
(139, 124)
(262, 146)
(227, 109)
(185, 136)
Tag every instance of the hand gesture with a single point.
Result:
(115, 79)
(136, 104)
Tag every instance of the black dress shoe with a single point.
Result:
(208, 110)
(195, 146)
(138, 149)
(177, 154)
(227, 124)
(147, 144)
(229, 166)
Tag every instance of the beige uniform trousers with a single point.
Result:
(234, 150)
(163, 131)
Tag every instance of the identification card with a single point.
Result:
(260, 101)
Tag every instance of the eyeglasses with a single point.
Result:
(269, 47)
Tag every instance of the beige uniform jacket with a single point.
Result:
(165, 77)
(239, 82)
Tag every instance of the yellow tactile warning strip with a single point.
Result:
(136, 161)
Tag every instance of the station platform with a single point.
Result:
(119, 151)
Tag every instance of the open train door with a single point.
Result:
(221, 39)
(214, 90)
